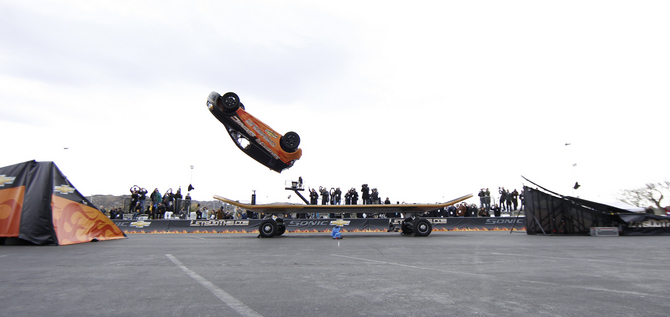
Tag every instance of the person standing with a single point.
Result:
(168, 200)
(313, 200)
(331, 193)
(503, 197)
(324, 196)
(143, 197)
(177, 200)
(155, 198)
(509, 201)
(187, 205)
(482, 197)
(374, 197)
(365, 194)
(515, 196)
(354, 200)
(347, 201)
(134, 198)
(337, 197)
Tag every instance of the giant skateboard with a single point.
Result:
(414, 225)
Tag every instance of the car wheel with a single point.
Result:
(281, 229)
(267, 229)
(422, 227)
(230, 102)
(407, 227)
(290, 142)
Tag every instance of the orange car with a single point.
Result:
(252, 136)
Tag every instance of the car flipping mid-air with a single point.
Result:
(252, 136)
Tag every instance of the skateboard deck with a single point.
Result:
(299, 208)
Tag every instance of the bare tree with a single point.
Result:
(650, 194)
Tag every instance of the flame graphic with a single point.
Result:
(77, 223)
(522, 228)
(11, 200)
(184, 231)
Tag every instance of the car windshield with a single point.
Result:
(240, 139)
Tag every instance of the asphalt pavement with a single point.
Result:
(366, 274)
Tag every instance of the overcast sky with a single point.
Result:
(425, 101)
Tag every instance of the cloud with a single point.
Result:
(420, 100)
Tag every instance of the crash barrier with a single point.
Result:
(316, 225)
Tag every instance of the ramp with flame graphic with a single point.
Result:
(40, 205)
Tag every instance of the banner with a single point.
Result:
(645, 225)
(316, 225)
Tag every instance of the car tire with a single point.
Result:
(267, 229)
(281, 229)
(422, 227)
(407, 227)
(290, 142)
(230, 102)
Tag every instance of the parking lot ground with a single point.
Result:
(366, 274)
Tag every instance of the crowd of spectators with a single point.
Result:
(174, 205)
(334, 196)
(160, 205)
(508, 201)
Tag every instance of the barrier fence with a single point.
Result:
(316, 225)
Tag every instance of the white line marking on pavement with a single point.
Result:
(598, 289)
(498, 276)
(552, 257)
(226, 298)
(406, 265)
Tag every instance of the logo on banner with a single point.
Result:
(64, 189)
(397, 221)
(218, 223)
(650, 224)
(340, 222)
(504, 221)
(6, 180)
(307, 223)
(140, 224)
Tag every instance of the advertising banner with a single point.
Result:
(645, 225)
(315, 225)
